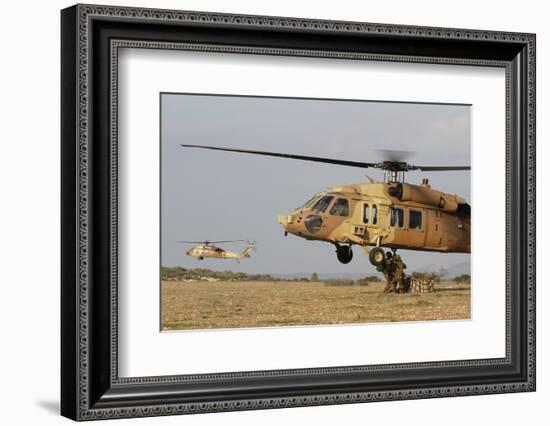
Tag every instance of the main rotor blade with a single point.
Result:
(209, 242)
(440, 168)
(385, 165)
(291, 156)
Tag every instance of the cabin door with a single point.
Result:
(415, 225)
(434, 227)
(397, 222)
(333, 217)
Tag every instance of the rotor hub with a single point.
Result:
(395, 166)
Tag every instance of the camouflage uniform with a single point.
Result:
(397, 267)
(386, 268)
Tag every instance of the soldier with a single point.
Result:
(386, 268)
(397, 268)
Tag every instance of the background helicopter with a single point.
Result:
(391, 214)
(207, 249)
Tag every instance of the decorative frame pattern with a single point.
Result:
(91, 388)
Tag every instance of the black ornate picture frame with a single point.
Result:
(91, 387)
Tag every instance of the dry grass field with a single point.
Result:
(201, 304)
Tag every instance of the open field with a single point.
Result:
(224, 304)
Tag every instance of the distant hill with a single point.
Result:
(453, 270)
(181, 274)
(198, 274)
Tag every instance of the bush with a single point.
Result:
(364, 281)
(371, 278)
(464, 278)
(338, 282)
(434, 276)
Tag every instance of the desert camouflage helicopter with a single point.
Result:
(207, 249)
(376, 215)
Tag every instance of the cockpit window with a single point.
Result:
(323, 203)
(340, 207)
(311, 201)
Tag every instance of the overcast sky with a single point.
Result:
(223, 196)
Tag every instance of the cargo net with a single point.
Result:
(421, 286)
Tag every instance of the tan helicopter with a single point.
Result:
(208, 249)
(391, 214)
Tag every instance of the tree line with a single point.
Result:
(179, 274)
(196, 274)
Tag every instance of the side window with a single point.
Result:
(396, 217)
(366, 213)
(374, 214)
(323, 203)
(340, 207)
(415, 219)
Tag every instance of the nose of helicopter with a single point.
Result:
(283, 219)
(290, 222)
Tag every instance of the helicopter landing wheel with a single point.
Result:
(376, 256)
(344, 254)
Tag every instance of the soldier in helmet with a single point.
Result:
(386, 268)
(397, 269)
